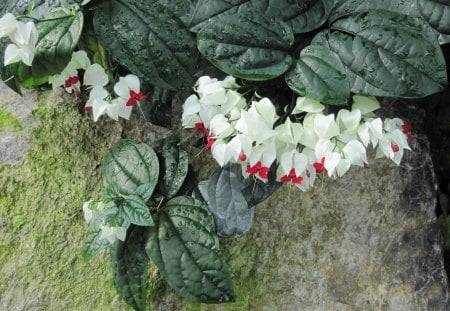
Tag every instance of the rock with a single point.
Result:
(367, 241)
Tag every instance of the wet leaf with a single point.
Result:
(148, 40)
(131, 166)
(135, 211)
(437, 14)
(130, 265)
(247, 45)
(185, 249)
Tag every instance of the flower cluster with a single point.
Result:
(96, 80)
(253, 134)
(24, 37)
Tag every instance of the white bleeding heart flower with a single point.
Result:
(292, 166)
(305, 104)
(348, 120)
(355, 152)
(289, 132)
(325, 126)
(95, 75)
(128, 90)
(191, 109)
(111, 234)
(254, 126)
(8, 25)
(266, 110)
(23, 48)
(365, 104)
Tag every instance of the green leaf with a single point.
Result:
(319, 74)
(174, 166)
(185, 249)
(135, 210)
(410, 66)
(349, 7)
(130, 265)
(230, 209)
(58, 37)
(148, 40)
(131, 166)
(93, 244)
(302, 16)
(437, 14)
(247, 45)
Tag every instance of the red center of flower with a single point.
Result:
(88, 108)
(320, 166)
(258, 168)
(242, 157)
(135, 97)
(406, 129)
(71, 82)
(292, 176)
(395, 148)
(201, 129)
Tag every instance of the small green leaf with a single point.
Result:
(93, 244)
(319, 74)
(148, 40)
(232, 215)
(130, 265)
(247, 45)
(174, 166)
(135, 211)
(185, 249)
(58, 37)
(130, 165)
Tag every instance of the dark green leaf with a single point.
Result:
(130, 265)
(58, 37)
(129, 165)
(230, 209)
(247, 45)
(158, 109)
(93, 244)
(149, 40)
(437, 13)
(135, 210)
(319, 74)
(256, 191)
(412, 65)
(174, 166)
(302, 16)
(185, 249)
(349, 7)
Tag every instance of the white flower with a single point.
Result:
(365, 104)
(99, 104)
(128, 90)
(254, 126)
(349, 120)
(292, 165)
(233, 104)
(95, 75)
(289, 132)
(305, 104)
(355, 152)
(191, 109)
(220, 127)
(327, 159)
(210, 91)
(266, 111)
(112, 233)
(8, 25)
(23, 48)
(88, 210)
(325, 126)
(68, 78)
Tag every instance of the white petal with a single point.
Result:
(355, 152)
(266, 110)
(218, 151)
(332, 160)
(132, 82)
(220, 126)
(305, 104)
(8, 25)
(207, 113)
(365, 104)
(80, 60)
(343, 167)
(325, 126)
(95, 75)
(349, 120)
(12, 54)
(121, 88)
(98, 108)
(286, 162)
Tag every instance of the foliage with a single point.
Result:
(315, 50)
(165, 230)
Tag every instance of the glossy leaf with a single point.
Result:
(410, 66)
(320, 74)
(131, 166)
(348, 7)
(130, 265)
(437, 14)
(58, 37)
(93, 244)
(135, 210)
(256, 191)
(302, 16)
(232, 215)
(248, 45)
(185, 249)
(149, 40)
(174, 166)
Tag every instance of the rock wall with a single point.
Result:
(367, 241)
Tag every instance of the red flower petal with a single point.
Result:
(406, 127)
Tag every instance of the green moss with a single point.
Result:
(8, 121)
(41, 221)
